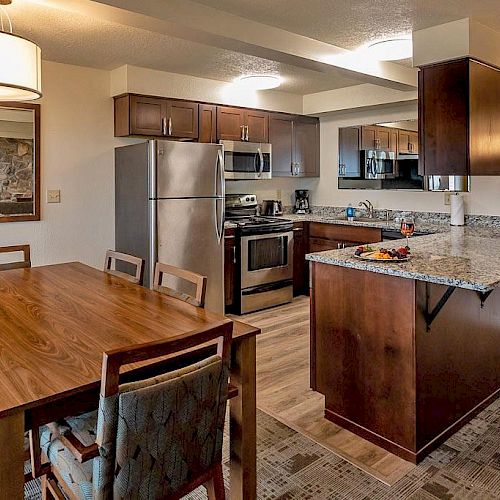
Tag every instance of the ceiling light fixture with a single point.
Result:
(393, 49)
(259, 82)
(20, 63)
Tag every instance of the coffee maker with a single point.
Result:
(301, 202)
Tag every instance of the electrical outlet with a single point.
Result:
(447, 199)
(53, 196)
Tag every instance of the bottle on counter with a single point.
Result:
(350, 212)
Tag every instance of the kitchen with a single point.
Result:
(160, 147)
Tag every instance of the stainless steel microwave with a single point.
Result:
(247, 160)
(380, 164)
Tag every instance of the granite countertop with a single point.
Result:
(465, 257)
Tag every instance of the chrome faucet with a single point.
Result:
(368, 207)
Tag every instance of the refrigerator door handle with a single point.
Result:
(219, 225)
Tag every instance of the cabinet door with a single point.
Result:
(207, 123)
(368, 137)
(281, 139)
(306, 147)
(230, 122)
(403, 141)
(393, 141)
(257, 123)
(229, 268)
(147, 115)
(320, 245)
(413, 142)
(182, 119)
(300, 265)
(383, 138)
(349, 155)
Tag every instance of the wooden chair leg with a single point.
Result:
(215, 487)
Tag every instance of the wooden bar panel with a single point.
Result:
(344, 232)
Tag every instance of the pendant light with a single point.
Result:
(20, 63)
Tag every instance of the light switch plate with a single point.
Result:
(447, 200)
(53, 196)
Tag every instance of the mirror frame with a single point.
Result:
(37, 188)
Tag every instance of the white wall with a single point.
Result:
(77, 157)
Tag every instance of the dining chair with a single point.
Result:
(18, 264)
(199, 281)
(159, 437)
(129, 261)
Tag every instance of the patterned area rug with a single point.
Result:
(291, 466)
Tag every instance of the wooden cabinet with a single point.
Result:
(459, 118)
(207, 123)
(323, 236)
(239, 124)
(407, 142)
(155, 117)
(349, 152)
(377, 137)
(300, 265)
(229, 267)
(295, 143)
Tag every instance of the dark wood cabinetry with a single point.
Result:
(459, 113)
(155, 117)
(378, 137)
(295, 142)
(323, 236)
(239, 124)
(207, 123)
(300, 265)
(349, 152)
(407, 142)
(229, 267)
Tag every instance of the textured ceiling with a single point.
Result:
(76, 39)
(351, 23)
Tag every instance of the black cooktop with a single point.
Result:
(261, 225)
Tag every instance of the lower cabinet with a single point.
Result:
(324, 236)
(300, 265)
(229, 267)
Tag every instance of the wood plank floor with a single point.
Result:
(283, 390)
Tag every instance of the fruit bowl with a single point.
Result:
(366, 252)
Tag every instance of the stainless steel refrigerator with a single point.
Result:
(169, 207)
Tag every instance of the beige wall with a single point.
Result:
(76, 157)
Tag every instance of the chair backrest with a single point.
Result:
(156, 436)
(198, 280)
(26, 262)
(136, 263)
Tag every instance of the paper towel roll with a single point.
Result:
(457, 210)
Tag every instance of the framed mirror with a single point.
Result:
(19, 162)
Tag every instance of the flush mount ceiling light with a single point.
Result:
(393, 49)
(20, 63)
(258, 82)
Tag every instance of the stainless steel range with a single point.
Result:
(264, 255)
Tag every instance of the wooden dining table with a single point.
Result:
(55, 323)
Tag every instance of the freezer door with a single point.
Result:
(189, 237)
(189, 170)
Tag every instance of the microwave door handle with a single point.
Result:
(261, 161)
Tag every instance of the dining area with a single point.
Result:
(114, 390)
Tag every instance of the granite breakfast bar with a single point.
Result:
(406, 353)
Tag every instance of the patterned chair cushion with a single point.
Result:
(155, 436)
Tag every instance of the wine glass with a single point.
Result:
(407, 228)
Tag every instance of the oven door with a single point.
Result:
(247, 160)
(266, 258)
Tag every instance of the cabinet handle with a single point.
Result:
(338, 246)
(242, 127)
(169, 125)
(234, 255)
(343, 245)
(164, 126)
(246, 134)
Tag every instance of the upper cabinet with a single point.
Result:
(156, 117)
(408, 142)
(239, 124)
(295, 145)
(459, 118)
(376, 137)
(349, 154)
(207, 123)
